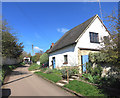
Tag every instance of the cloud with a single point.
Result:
(62, 30)
(37, 48)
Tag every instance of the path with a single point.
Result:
(23, 83)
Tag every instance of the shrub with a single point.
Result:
(22, 63)
(110, 82)
(94, 74)
(64, 72)
(75, 70)
(44, 58)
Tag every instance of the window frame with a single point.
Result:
(65, 61)
(94, 37)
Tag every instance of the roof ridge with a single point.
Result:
(74, 29)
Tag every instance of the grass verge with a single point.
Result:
(84, 88)
(53, 77)
(34, 67)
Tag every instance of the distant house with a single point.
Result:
(73, 47)
(26, 59)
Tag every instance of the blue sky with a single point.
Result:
(41, 23)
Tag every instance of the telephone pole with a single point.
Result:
(32, 50)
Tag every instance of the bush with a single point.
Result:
(94, 74)
(44, 58)
(75, 70)
(22, 63)
(110, 82)
(64, 72)
(6, 69)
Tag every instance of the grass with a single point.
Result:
(52, 76)
(84, 88)
(34, 67)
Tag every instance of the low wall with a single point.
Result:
(10, 61)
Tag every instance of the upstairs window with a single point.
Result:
(94, 37)
(65, 59)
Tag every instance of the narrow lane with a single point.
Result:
(23, 83)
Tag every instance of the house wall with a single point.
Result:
(59, 56)
(84, 40)
(73, 52)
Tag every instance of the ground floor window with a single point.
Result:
(65, 59)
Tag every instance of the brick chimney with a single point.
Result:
(52, 45)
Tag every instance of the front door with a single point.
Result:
(85, 59)
(53, 62)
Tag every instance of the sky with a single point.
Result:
(43, 23)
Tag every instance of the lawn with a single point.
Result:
(34, 67)
(51, 76)
(84, 88)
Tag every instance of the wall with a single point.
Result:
(84, 40)
(59, 56)
(74, 56)
(10, 61)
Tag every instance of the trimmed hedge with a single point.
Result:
(44, 58)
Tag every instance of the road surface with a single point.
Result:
(21, 82)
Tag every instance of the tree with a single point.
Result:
(36, 57)
(10, 46)
(111, 44)
(44, 58)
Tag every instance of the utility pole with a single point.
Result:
(32, 50)
(100, 9)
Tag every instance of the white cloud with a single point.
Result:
(37, 48)
(62, 30)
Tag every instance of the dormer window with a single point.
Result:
(94, 37)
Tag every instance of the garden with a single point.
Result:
(89, 83)
(81, 87)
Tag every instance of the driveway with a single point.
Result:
(21, 82)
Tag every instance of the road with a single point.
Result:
(21, 82)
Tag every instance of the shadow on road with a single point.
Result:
(18, 73)
(6, 92)
(17, 79)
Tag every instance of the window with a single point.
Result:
(65, 59)
(94, 37)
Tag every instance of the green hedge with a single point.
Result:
(44, 58)
(101, 57)
(8, 68)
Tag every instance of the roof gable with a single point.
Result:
(72, 36)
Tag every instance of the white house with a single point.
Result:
(26, 59)
(73, 47)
